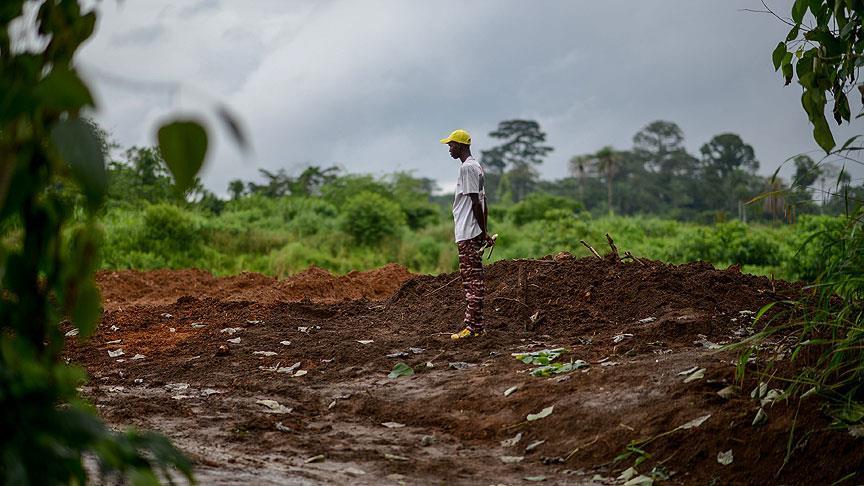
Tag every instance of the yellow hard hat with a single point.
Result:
(460, 136)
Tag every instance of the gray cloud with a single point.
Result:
(373, 85)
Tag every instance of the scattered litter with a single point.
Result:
(705, 343)
(393, 425)
(760, 418)
(512, 441)
(181, 397)
(511, 459)
(177, 386)
(198, 325)
(559, 368)
(289, 369)
(687, 372)
(461, 365)
(856, 430)
(231, 330)
(73, 332)
(115, 389)
(171, 329)
(399, 354)
(324, 360)
(647, 320)
(542, 357)
(365, 341)
(282, 428)
(771, 397)
(303, 329)
(285, 343)
(541, 414)
(694, 423)
(640, 480)
(510, 390)
(536, 479)
(273, 406)
(138, 380)
(609, 363)
(253, 322)
(746, 312)
(401, 369)
(222, 350)
(138, 356)
(530, 447)
(760, 391)
(332, 404)
(318, 458)
(116, 341)
(729, 392)
(394, 457)
(620, 337)
(429, 364)
(234, 341)
(725, 458)
(427, 440)
(696, 375)
(209, 391)
(264, 353)
(167, 315)
(114, 354)
(416, 350)
(353, 471)
(121, 360)
(628, 474)
(300, 373)
(114, 328)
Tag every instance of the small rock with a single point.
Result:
(353, 471)
(222, 350)
(171, 329)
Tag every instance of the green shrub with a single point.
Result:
(370, 218)
(169, 229)
(536, 206)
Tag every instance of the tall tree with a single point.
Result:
(660, 146)
(236, 188)
(521, 150)
(607, 162)
(579, 166)
(730, 165)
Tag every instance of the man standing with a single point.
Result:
(470, 216)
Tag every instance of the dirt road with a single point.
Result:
(302, 394)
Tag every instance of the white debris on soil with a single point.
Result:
(285, 343)
(725, 458)
(511, 459)
(510, 390)
(138, 356)
(248, 321)
(175, 387)
(172, 329)
(530, 447)
(365, 341)
(512, 441)
(273, 406)
(300, 373)
(73, 332)
(394, 457)
(197, 325)
(696, 375)
(234, 341)
(620, 337)
(231, 330)
(167, 315)
(393, 425)
(289, 369)
(114, 328)
(647, 320)
(114, 354)
(264, 353)
(116, 341)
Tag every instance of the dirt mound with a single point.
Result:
(161, 287)
(640, 327)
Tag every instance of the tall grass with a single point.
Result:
(826, 326)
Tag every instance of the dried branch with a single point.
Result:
(591, 249)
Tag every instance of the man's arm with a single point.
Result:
(479, 210)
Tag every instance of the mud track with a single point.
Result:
(637, 326)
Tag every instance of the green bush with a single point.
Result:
(730, 242)
(537, 206)
(370, 218)
(169, 229)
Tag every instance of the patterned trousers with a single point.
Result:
(471, 271)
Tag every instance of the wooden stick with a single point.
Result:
(627, 254)
(612, 245)
(591, 249)
(441, 287)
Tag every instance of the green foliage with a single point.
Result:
(732, 242)
(47, 262)
(538, 207)
(168, 229)
(369, 218)
(184, 145)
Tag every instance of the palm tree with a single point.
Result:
(607, 162)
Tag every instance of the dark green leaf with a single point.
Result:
(233, 126)
(798, 11)
(793, 33)
(401, 369)
(778, 54)
(822, 134)
(78, 145)
(183, 145)
(88, 308)
(787, 73)
(841, 108)
(849, 142)
(63, 90)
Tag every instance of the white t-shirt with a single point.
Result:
(471, 181)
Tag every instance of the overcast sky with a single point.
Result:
(373, 85)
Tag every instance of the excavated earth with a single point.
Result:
(640, 328)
